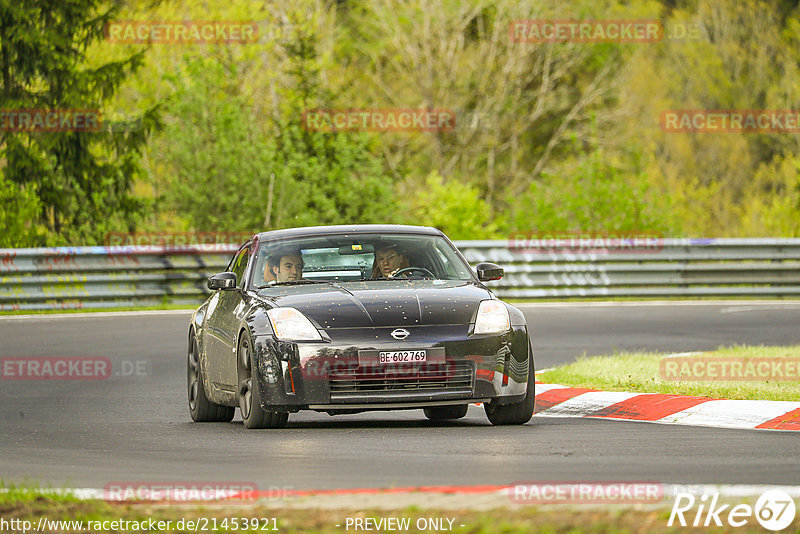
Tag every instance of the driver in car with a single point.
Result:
(286, 266)
(388, 260)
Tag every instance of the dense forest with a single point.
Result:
(550, 135)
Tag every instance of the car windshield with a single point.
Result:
(350, 258)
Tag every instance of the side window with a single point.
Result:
(449, 271)
(239, 265)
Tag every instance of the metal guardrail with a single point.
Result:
(109, 277)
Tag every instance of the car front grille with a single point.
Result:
(454, 377)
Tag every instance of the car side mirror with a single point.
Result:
(222, 281)
(489, 271)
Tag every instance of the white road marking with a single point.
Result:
(731, 413)
(587, 403)
(738, 309)
(541, 388)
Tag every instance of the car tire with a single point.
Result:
(517, 413)
(443, 413)
(253, 415)
(201, 409)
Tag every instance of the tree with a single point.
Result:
(19, 207)
(219, 156)
(743, 56)
(238, 164)
(325, 177)
(455, 208)
(81, 176)
(517, 104)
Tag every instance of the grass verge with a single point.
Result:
(105, 310)
(30, 506)
(641, 372)
(790, 299)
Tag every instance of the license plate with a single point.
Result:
(382, 357)
(402, 356)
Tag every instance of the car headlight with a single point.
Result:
(492, 318)
(291, 325)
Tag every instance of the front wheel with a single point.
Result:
(253, 415)
(517, 413)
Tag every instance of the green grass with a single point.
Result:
(28, 504)
(30, 492)
(98, 310)
(639, 372)
(669, 298)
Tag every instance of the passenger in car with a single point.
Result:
(389, 260)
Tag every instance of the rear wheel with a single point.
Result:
(253, 415)
(517, 413)
(201, 409)
(443, 413)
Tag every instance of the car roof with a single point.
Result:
(309, 231)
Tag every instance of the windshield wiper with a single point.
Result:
(294, 283)
(401, 278)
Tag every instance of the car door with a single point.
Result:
(223, 322)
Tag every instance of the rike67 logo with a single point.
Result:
(774, 510)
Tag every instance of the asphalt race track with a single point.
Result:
(135, 425)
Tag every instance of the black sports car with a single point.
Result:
(344, 319)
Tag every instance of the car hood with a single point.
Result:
(383, 302)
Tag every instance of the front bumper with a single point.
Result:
(340, 376)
